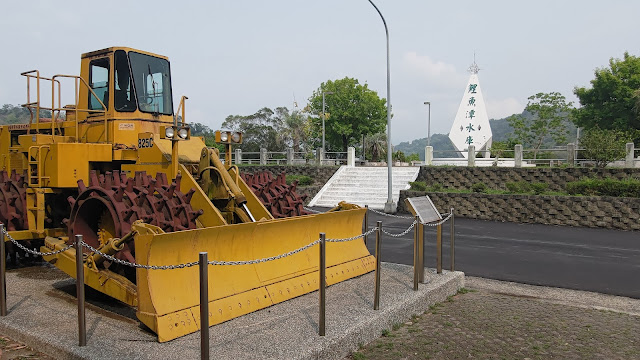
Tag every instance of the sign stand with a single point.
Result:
(425, 212)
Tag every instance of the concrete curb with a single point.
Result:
(578, 298)
(43, 315)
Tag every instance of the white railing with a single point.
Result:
(568, 155)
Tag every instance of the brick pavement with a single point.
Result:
(492, 324)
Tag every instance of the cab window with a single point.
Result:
(124, 99)
(152, 82)
(99, 83)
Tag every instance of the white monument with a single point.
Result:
(471, 125)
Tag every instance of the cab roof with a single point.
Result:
(113, 49)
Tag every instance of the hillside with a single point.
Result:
(499, 127)
(10, 114)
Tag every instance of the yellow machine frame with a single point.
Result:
(81, 143)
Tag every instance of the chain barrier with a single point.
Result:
(441, 221)
(31, 251)
(139, 266)
(215, 262)
(390, 215)
(354, 237)
(257, 261)
(402, 233)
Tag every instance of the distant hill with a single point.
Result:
(10, 114)
(500, 129)
(442, 146)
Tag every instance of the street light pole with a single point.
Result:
(428, 124)
(324, 115)
(389, 206)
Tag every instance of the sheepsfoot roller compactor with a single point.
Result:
(121, 168)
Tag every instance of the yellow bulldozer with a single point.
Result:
(120, 168)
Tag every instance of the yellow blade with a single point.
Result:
(168, 300)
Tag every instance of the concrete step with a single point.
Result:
(364, 186)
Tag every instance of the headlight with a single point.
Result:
(169, 132)
(235, 137)
(224, 137)
(183, 133)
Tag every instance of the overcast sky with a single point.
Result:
(235, 57)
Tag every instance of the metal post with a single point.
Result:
(175, 156)
(204, 306)
(321, 322)
(323, 116)
(3, 269)
(376, 294)
(453, 253)
(82, 322)
(366, 224)
(323, 121)
(421, 246)
(428, 124)
(416, 261)
(364, 152)
(439, 248)
(389, 206)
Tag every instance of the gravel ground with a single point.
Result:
(488, 323)
(13, 350)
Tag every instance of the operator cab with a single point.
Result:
(128, 84)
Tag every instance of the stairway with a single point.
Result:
(364, 186)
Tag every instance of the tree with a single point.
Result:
(502, 149)
(376, 146)
(297, 131)
(263, 129)
(613, 101)
(604, 146)
(543, 118)
(10, 114)
(352, 110)
(198, 129)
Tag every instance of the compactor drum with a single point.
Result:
(118, 168)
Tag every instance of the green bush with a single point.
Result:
(538, 188)
(437, 187)
(479, 187)
(605, 187)
(412, 157)
(422, 186)
(303, 180)
(518, 187)
(523, 187)
(418, 186)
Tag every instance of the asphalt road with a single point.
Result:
(600, 260)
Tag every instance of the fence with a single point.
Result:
(203, 263)
(568, 155)
(289, 157)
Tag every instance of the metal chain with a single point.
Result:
(257, 261)
(34, 252)
(354, 237)
(441, 221)
(402, 233)
(390, 215)
(140, 266)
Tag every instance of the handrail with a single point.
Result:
(55, 110)
(88, 111)
(182, 106)
(29, 104)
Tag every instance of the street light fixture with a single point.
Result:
(389, 206)
(428, 124)
(324, 115)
